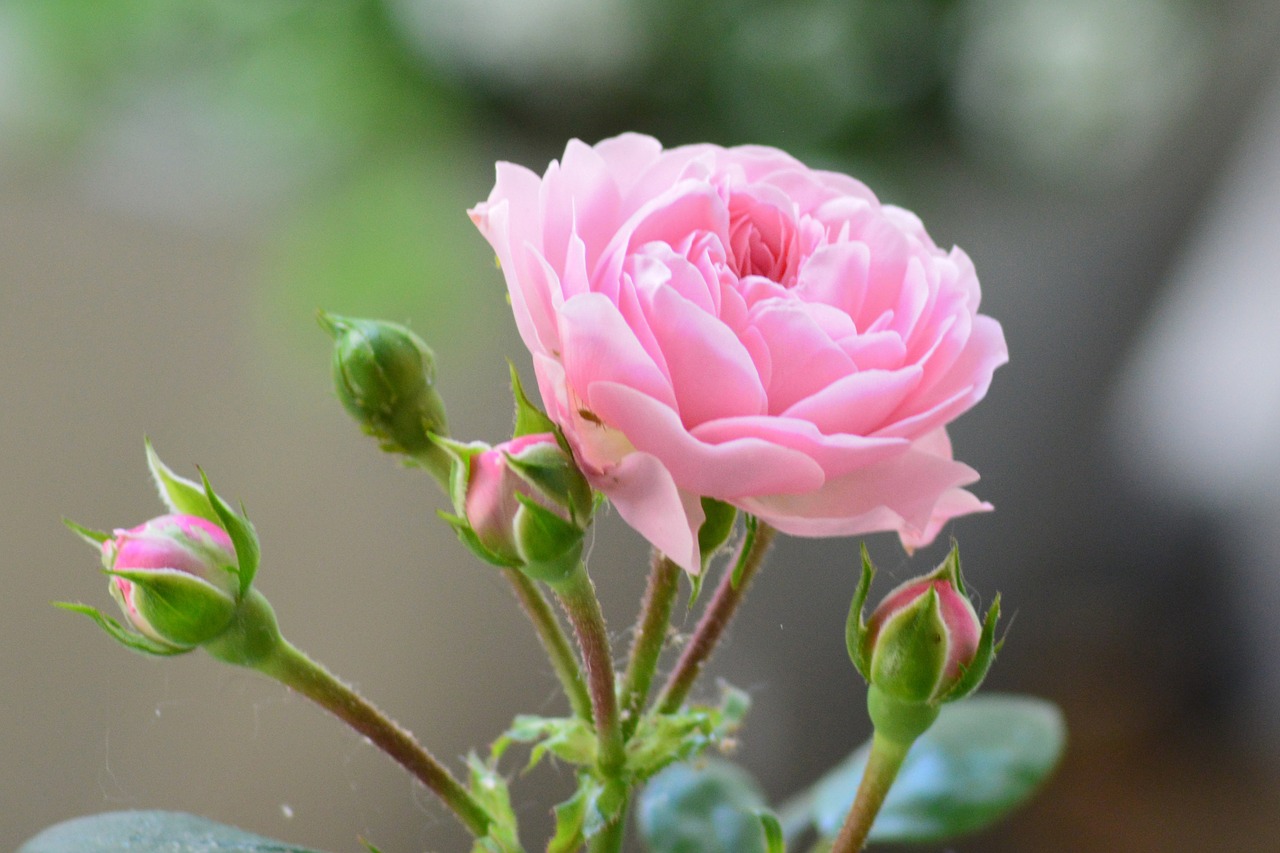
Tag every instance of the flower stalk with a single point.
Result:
(578, 597)
(728, 595)
(883, 764)
(561, 654)
(650, 635)
(294, 669)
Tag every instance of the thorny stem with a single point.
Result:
(715, 619)
(294, 669)
(650, 634)
(553, 638)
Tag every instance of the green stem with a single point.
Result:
(578, 596)
(650, 635)
(294, 669)
(553, 638)
(729, 594)
(882, 768)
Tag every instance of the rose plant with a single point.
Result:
(728, 344)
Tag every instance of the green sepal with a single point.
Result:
(550, 546)
(243, 536)
(552, 472)
(368, 845)
(910, 653)
(184, 609)
(252, 638)
(93, 537)
(751, 525)
(716, 528)
(976, 671)
(571, 816)
(949, 570)
(468, 537)
(129, 639)
(180, 495)
(490, 790)
(855, 627)
(774, 841)
(530, 420)
(460, 455)
(695, 588)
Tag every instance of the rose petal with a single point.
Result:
(598, 345)
(646, 496)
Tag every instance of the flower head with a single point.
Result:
(728, 323)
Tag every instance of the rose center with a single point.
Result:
(762, 241)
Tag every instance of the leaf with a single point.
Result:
(151, 832)
(981, 759)
(490, 790)
(661, 739)
(711, 807)
(773, 839)
(571, 816)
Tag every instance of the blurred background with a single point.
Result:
(183, 184)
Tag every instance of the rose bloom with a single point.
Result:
(729, 323)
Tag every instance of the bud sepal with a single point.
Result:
(924, 643)
(522, 504)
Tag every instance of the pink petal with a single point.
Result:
(646, 496)
(598, 346)
(712, 373)
(857, 404)
(836, 455)
(803, 359)
(741, 466)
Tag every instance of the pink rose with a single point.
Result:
(726, 322)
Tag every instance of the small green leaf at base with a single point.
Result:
(983, 758)
(151, 832)
(121, 634)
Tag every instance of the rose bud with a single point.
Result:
(924, 644)
(521, 504)
(175, 578)
(385, 377)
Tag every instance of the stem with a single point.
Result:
(294, 669)
(578, 596)
(882, 768)
(715, 619)
(646, 644)
(563, 659)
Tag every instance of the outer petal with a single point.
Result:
(647, 498)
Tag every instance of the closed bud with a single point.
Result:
(923, 645)
(522, 504)
(384, 375)
(175, 578)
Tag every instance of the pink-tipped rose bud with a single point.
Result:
(521, 504)
(175, 577)
(924, 643)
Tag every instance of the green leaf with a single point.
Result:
(151, 832)
(773, 839)
(179, 494)
(571, 816)
(490, 790)
(707, 808)
(243, 536)
(122, 635)
(567, 738)
(661, 739)
(983, 757)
